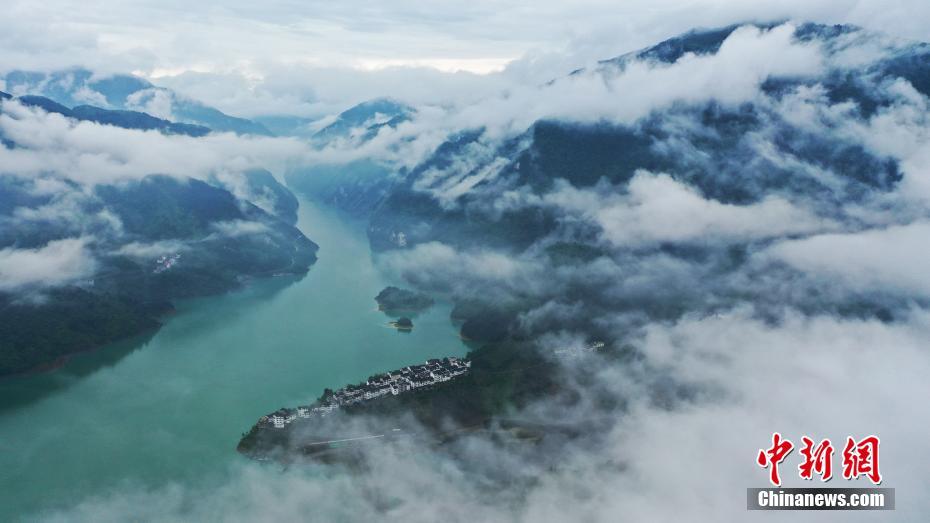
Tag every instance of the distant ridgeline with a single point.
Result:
(152, 241)
(117, 118)
(360, 185)
(104, 98)
(404, 208)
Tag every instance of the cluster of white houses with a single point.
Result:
(576, 351)
(394, 382)
(163, 263)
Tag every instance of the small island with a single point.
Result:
(397, 299)
(404, 323)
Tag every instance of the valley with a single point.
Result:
(169, 407)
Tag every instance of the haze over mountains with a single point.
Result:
(79, 87)
(733, 211)
(86, 261)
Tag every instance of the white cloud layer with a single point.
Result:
(57, 263)
(658, 209)
(90, 154)
(876, 259)
(818, 376)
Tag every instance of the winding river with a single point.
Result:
(168, 408)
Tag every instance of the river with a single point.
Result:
(167, 409)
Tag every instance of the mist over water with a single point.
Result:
(167, 409)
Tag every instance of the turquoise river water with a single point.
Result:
(168, 409)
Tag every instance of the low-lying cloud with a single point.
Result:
(57, 263)
(91, 154)
(692, 453)
(875, 259)
(657, 209)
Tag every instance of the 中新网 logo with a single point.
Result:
(859, 458)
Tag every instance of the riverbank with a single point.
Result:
(168, 409)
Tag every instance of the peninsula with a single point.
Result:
(393, 383)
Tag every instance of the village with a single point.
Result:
(580, 351)
(394, 382)
(165, 262)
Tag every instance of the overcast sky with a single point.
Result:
(280, 56)
(171, 36)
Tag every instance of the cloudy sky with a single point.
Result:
(300, 52)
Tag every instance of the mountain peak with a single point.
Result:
(367, 117)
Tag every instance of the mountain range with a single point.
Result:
(79, 87)
(118, 118)
(788, 145)
(124, 251)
